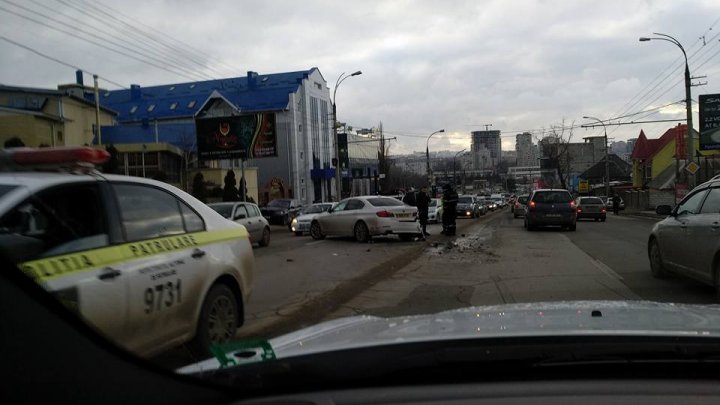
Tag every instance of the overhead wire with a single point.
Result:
(35, 51)
(100, 44)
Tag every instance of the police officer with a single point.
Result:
(450, 200)
(422, 199)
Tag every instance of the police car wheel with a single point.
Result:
(218, 321)
(265, 240)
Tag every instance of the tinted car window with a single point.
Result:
(523, 200)
(465, 200)
(193, 221)
(279, 203)
(552, 197)
(148, 212)
(223, 209)
(591, 200)
(58, 221)
(712, 202)
(385, 202)
(354, 205)
(692, 204)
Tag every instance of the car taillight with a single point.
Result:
(579, 209)
(572, 205)
(531, 204)
(603, 210)
(384, 214)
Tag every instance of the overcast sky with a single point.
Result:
(427, 65)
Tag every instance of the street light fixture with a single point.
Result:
(607, 160)
(454, 166)
(338, 168)
(427, 156)
(688, 100)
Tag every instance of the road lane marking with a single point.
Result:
(314, 243)
(606, 269)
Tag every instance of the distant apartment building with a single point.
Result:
(486, 149)
(527, 152)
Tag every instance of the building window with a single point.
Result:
(60, 136)
(318, 85)
(191, 104)
(173, 106)
(133, 109)
(151, 107)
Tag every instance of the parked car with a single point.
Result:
(367, 216)
(550, 207)
(591, 207)
(686, 242)
(248, 215)
(301, 223)
(466, 207)
(609, 204)
(280, 211)
(143, 262)
(435, 210)
(520, 206)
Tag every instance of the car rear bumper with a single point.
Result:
(394, 227)
(592, 215)
(550, 219)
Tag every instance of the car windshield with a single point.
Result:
(225, 210)
(315, 209)
(279, 203)
(385, 202)
(550, 197)
(518, 161)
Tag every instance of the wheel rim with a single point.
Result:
(315, 230)
(221, 320)
(361, 232)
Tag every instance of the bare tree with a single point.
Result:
(554, 147)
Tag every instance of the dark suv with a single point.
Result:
(550, 207)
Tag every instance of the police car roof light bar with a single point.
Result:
(58, 156)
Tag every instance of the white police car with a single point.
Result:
(147, 264)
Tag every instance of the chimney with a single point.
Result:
(79, 77)
(135, 92)
(252, 79)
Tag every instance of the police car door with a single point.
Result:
(165, 265)
(61, 237)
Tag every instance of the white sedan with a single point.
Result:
(301, 223)
(367, 216)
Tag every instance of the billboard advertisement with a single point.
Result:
(709, 121)
(249, 136)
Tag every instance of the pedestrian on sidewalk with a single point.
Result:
(616, 203)
(422, 199)
(450, 200)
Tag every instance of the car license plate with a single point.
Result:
(402, 215)
(552, 215)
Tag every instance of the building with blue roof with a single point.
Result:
(300, 102)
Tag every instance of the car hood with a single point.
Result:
(308, 217)
(576, 318)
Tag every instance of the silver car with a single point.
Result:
(248, 215)
(367, 216)
(301, 223)
(687, 242)
(435, 210)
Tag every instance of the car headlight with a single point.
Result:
(283, 212)
(294, 222)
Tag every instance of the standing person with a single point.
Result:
(450, 200)
(422, 199)
(616, 203)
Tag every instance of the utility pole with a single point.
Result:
(607, 160)
(97, 113)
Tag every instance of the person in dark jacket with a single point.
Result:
(450, 200)
(616, 204)
(422, 201)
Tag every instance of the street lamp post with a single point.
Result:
(454, 165)
(607, 160)
(338, 168)
(427, 156)
(688, 101)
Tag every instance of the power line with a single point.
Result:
(142, 38)
(102, 45)
(58, 60)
